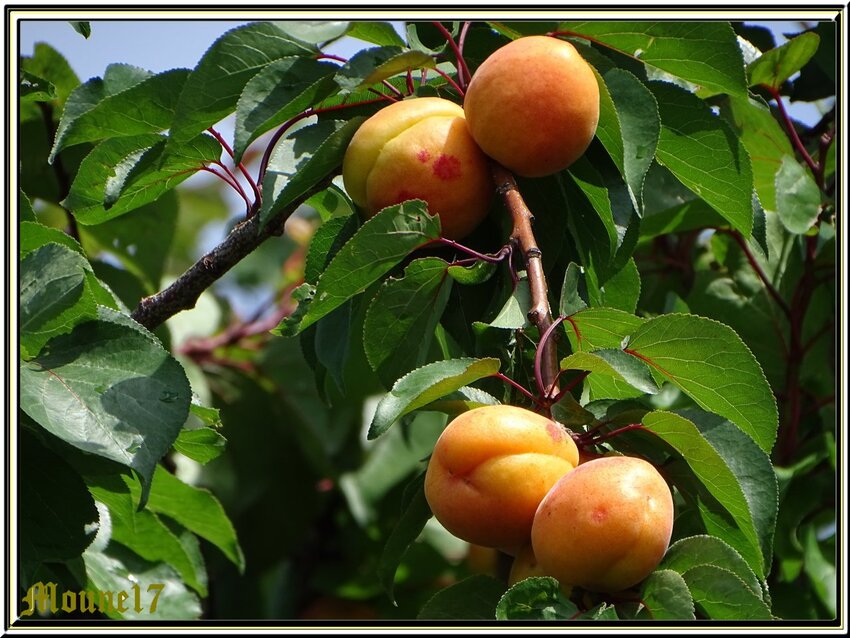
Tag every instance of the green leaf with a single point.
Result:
(680, 218)
(665, 596)
(411, 523)
(765, 141)
(462, 400)
(214, 86)
(703, 152)
(57, 513)
(51, 65)
(708, 361)
(477, 273)
(571, 300)
(82, 27)
(589, 180)
(125, 173)
(32, 88)
(615, 363)
(201, 444)
(724, 596)
(694, 551)
(474, 598)
(283, 89)
(797, 196)
(535, 598)
(426, 384)
(820, 570)
(34, 235)
(331, 203)
(723, 476)
(621, 290)
(162, 595)
(380, 33)
(25, 210)
(151, 539)
(326, 243)
(196, 509)
(775, 66)
(598, 328)
(141, 239)
(109, 388)
(313, 31)
(377, 246)
(54, 294)
(333, 342)
(635, 128)
(514, 314)
(371, 66)
(401, 319)
(302, 160)
(702, 53)
(126, 102)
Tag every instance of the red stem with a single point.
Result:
(545, 391)
(613, 433)
(514, 384)
(257, 194)
(463, 74)
(792, 133)
(448, 79)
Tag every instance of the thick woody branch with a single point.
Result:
(183, 294)
(539, 314)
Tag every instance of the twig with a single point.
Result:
(539, 314)
(243, 239)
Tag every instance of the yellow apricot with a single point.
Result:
(533, 105)
(605, 526)
(420, 149)
(490, 469)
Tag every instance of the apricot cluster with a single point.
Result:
(505, 477)
(532, 106)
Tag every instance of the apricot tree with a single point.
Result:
(313, 411)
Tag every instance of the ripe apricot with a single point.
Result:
(604, 526)
(533, 105)
(490, 469)
(524, 566)
(420, 149)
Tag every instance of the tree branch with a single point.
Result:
(245, 237)
(539, 314)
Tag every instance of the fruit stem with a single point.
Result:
(514, 384)
(538, 357)
(257, 194)
(539, 314)
(463, 74)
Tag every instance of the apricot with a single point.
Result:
(524, 566)
(420, 149)
(533, 105)
(604, 526)
(490, 469)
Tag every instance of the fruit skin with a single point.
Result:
(533, 105)
(525, 565)
(490, 469)
(604, 526)
(420, 149)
